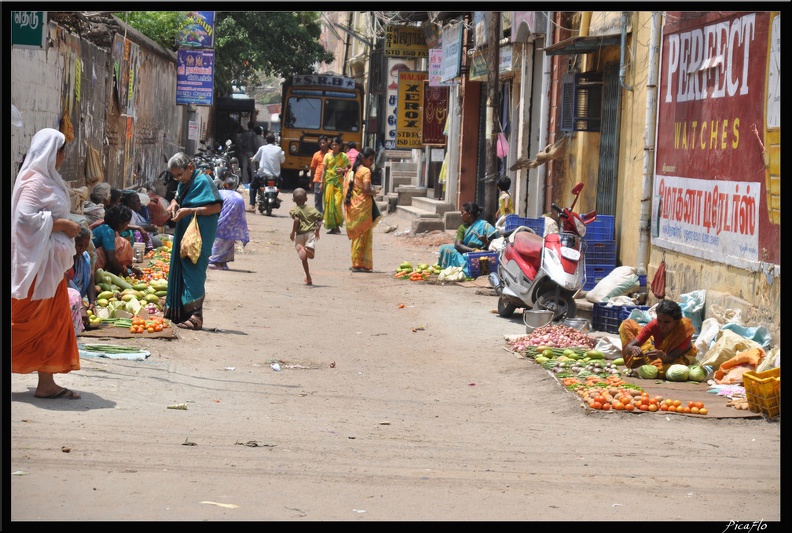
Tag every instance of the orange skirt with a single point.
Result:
(42, 334)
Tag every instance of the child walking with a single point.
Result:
(505, 205)
(305, 230)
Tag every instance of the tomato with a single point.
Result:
(671, 408)
(600, 399)
(150, 329)
(677, 403)
(652, 407)
(132, 329)
(653, 401)
(694, 410)
(669, 402)
(663, 407)
(684, 410)
(617, 405)
(699, 404)
(606, 407)
(596, 405)
(629, 407)
(703, 411)
(644, 407)
(158, 327)
(691, 403)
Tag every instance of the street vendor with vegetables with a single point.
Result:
(474, 234)
(664, 341)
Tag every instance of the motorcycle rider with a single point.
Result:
(269, 158)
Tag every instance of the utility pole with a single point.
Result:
(493, 61)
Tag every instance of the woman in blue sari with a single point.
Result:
(475, 234)
(196, 195)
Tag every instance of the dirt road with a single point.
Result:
(379, 413)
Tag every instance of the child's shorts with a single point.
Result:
(308, 240)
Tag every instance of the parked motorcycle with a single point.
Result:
(267, 196)
(543, 272)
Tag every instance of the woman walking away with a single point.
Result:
(336, 165)
(196, 196)
(231, 227)
(359, 207)
(664, 341)
(473, 235)
(42, 250)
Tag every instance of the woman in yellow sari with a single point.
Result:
(361, 216)
(664, 341)
(336, 165)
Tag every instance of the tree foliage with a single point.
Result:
(248, 44)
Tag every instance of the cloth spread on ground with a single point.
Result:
(87, 351)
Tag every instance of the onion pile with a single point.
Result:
(555, 337)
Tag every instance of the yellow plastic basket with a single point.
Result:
(763, 391)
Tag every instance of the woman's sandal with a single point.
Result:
(193, 323)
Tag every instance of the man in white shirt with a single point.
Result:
(269, 158)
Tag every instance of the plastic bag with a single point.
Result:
(692, 305)
(758, 334)
(725, 347)
(611, 347)
(192, 242)
(725, 316)
(621, 281)
(709, 330)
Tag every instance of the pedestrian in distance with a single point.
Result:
(317, 169)
(42, 250)
(196, 196)
(336, 165)
(231, 227)
(248, 147)
(352, 151)
(305, 230)
(505, 204)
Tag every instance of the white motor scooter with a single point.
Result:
(543, 272)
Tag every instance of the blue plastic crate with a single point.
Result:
(606, 318)
(627, 309)
(481, 263)
(601, 252)
(513, 222)
(595, 274)
(602, 229)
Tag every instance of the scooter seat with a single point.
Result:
(528, 245)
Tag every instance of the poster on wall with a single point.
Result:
(133, 83)
(409, 114)
(717, 162)
(194, 77)
(395, 65)
(197, 30)
(120, 71)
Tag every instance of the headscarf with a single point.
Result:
(39, 198)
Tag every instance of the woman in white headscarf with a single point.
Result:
(42, 250)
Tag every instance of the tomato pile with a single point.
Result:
(140, 324)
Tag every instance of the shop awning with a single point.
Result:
(582, 45)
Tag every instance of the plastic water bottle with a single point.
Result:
(642, 291)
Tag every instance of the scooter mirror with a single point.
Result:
(577, 188)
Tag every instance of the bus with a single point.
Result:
(313, 105)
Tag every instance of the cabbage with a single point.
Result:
(677, 373)
(697, 373)
(647, 371)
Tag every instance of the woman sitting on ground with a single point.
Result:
(664, 341)
(474, 235)
(114, 253)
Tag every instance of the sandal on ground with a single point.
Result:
(64, 393)
(194, 323)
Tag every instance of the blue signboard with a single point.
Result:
(197, 30)
(195, 77)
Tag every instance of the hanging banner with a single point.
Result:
(395, 65)
(717, 166)
(409, 115)
(133, 85)
(195, 77)
(452, 52)
(435, 111)
(120, 71)
(405, 41)
(436, 68)
(197, 30)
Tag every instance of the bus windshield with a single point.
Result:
(303, 113)
(341, 115)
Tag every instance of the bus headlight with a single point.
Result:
(293, 148)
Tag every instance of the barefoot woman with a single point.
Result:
(42, 250)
